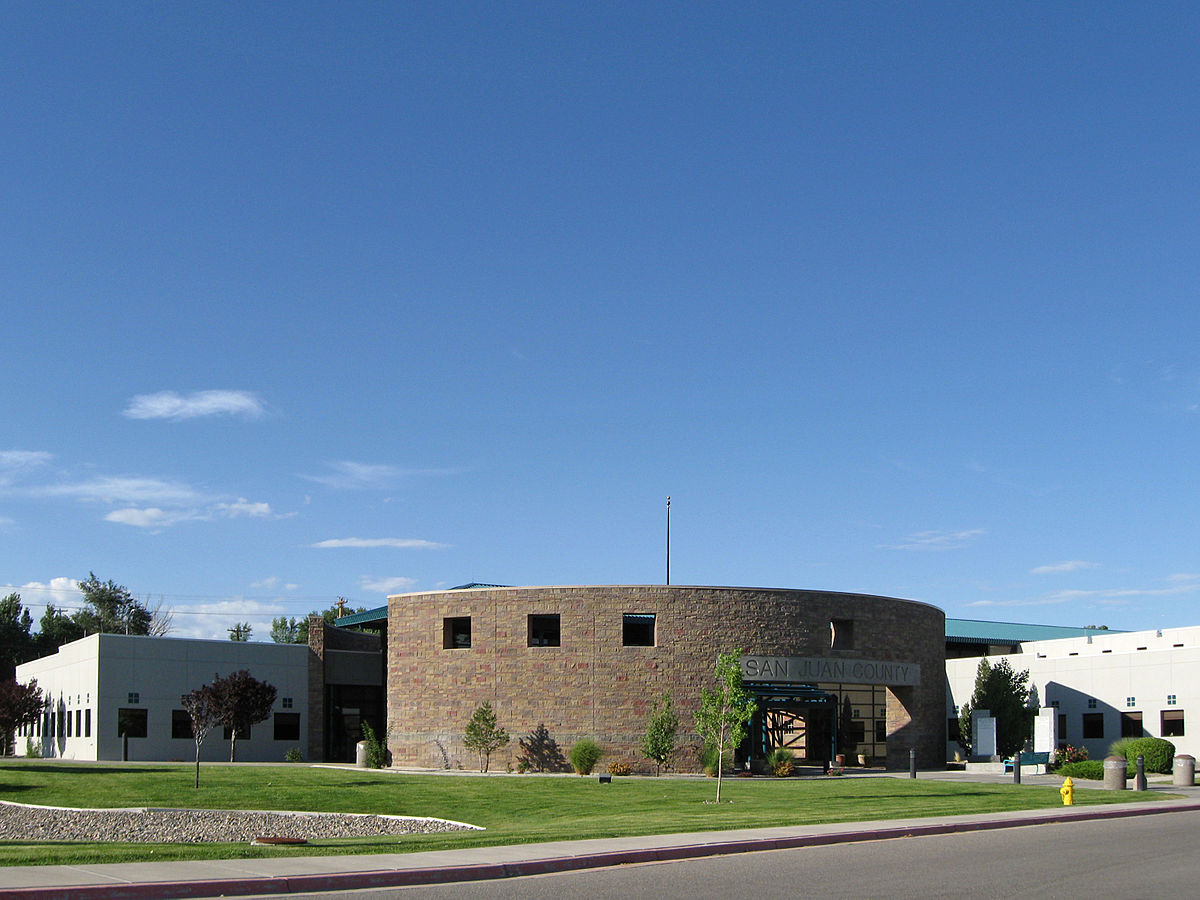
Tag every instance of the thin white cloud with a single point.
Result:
(243, 507)
(395, 585)
(273, 583)
(1179, 585)
(23, 459)
(937, 540)
(393, 543)
(150, 517)
(176, 407)
(351, 475)
(122, 489)
(1070, 565)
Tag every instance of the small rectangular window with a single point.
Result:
(134, 698)
(87, 723)
(1093, 725)
(841, 634)
(131, 723)
(1131, 701)
(456, 633)
(1091, 702)
(1172, 723)
(287, 702)
(881, 730)
(1062, 726)
(181, 725)
(637, 630)
(287, 726)
(68, 732)
(78, 723)
(544, 631)
(1170, 699)
(1131, 724)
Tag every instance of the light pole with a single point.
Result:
(668, 540)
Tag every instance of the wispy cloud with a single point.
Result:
(156, 518)
(395, 585)
(243, 507)
(1178, 585)
(173, 406)
(23, 459)
(351, 475)
(150, 517)
(1070, 565)
(394, 543)
(937, 540)
(124, 489)
(275, 583)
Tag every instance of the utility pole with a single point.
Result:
(668, 540)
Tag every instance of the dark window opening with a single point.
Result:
(287, 726)
(637, 630)
(181, 725)
(456, 633)
(881, 730)
(1093, 725)
(87, 723)
(841, 634)
(131, 723)
(78, 723)
(1172, 723)
(544, 631)
(1131, 724)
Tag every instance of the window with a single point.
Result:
(287, 726)
(881, 730)
(1093, 725)
(1131, 701)
(68, 731)
(1170, 699)
(87, 723)
(1091, 702)
(181, 725)
(637, 630)
(456, 633)
(544, 631)
(1054, 703)
(134, 697)
(131, 723)
(858, 731)
(1062, 726)
(841, 634)
(78, 723)
(1172, 723)
(286, 702)
(1131, 724)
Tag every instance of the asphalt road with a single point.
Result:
(1145, 857)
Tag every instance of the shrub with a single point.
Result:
(584, 756)
(32, 750)
(377, 751)
(620, 767)
(781, 761)
(1092, 769)
(709, 760)
(1159, 753)
(1068, 754)
(293, 755)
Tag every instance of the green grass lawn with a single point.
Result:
(512, 809)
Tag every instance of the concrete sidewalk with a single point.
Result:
(293, 874)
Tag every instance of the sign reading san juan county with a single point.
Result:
(810, 669)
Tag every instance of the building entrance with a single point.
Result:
(802, 718)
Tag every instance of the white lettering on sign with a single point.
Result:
(804, 669)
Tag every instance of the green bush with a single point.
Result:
(1091, 769)
(781, 762)
(293, 755)
(1159, 753)
(584, 756)
(709, 757)
(377, 750)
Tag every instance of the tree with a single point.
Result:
(335, 611)
(287, 631)
(110, 609)
(16, 640)
(201, 707)
(162, 617)
(1006, 696)
(662, 729)
(55, 629)
(20, 704)
(239, 702)
(725, 711)
(484, 735)
(240, 632)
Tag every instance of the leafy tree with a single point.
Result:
(109, 608)
(725, 711)
(484, 735)
(201, 707)
(662, 730)
(55, 629)
(240, 632)
(240, 701)
(16, 640)
(287, 631)
(1006, 695)
(20, 704)
(540, 752)
(330, 615)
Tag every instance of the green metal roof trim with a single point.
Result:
(974, 631)
(476, 584)
(371, 615)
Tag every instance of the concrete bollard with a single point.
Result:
(1114, 773)
(360, 754)
(912, 763)
(1139, 779)
(1184, 771)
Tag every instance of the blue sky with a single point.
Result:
(307, 300)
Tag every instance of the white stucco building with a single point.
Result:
(106, 685)
(1105, 685)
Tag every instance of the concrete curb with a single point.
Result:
(385, 878)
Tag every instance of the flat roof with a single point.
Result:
(976, 631)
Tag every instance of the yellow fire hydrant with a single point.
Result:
(1068, 792)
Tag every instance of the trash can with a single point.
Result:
(1114, 773)
(360, 754)
(1184, 770)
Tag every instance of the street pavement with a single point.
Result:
(296, 874)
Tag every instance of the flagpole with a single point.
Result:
(668, 540)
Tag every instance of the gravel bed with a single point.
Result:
(185, 826)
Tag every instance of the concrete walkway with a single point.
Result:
(293, 874)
